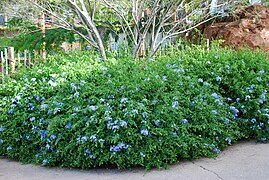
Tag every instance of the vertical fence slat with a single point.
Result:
(11, 58)
(6, 59)
(35, 56)
(29, 59)
(25, 58)
(3, 64)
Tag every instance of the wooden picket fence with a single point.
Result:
(11, 61)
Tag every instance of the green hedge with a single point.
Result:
(78, 111)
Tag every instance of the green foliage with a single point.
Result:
(77, 111)
(34, 40)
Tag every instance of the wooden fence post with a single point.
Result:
(29, 59)
(3, 64)
(11, 58)
(6, 59)
(25, 58)
(207, 44)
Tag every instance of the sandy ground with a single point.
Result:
(242, 161)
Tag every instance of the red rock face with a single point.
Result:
(250, 28)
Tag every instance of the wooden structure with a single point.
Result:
(11, 61)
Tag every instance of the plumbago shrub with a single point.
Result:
(78, 111)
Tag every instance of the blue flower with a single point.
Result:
(78, 139)
(216, 150)
(164, 78)
(68, 125)
(200, 80)
(52, 137)
(229, 141)
(9, 148)
(144, 132)
(262, 96)
(134, 111)
(184, 121)
(237, 100)
(93, 108)
(174, 104)
(218, 79)
(157, 122)
(124, 100)
(101, 140)
(44, 162)
(76, 109)
(227, 121)
(227, 67)
(247, 97)
(88, 152)
(2, 128)
(43, 106)
(115, 127)
(206, 84)
(27, 136)
(13, 105)
(249, 90)
(214, 112)
(144, 115)
(234, 109)
(215, 95)
(52, 83)
(1, 141)
(259, 79)
(93, 137)
(73, 86)
(32, 119)
(174, 134)
(123, 123)
(119, 147)
(43, 134)
(77, 94)
(110, 97)
(84, 138)
(10, 111)
(141, 154)
(30, 106)
(48, 147)
(114, 149)
(103, 68)
(82, 83)
(37, 98)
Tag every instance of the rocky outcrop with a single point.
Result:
(248, 27)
